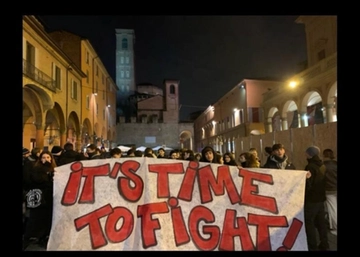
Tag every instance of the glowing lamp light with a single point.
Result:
(292, 84)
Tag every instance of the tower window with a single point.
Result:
(124, 43)
(172, 89)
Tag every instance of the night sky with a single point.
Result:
(208, 54)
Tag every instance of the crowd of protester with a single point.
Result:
(320, 189)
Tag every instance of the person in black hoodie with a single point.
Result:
(314, 211)
(208, 154)
(39, 200)
(69, 155)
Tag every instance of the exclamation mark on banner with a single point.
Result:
(291, 235)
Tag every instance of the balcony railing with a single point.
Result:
(37, 75)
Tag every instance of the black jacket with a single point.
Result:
(315, 185)
(331, 175)
(70, 156)
(274, 162)
(40, 194)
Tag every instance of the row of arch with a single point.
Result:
(45, 123)
(315, 108)
(312, 109)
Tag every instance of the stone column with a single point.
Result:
(304, 122)
(329, 113)
(63, 138)
(39, 137)
(78, 141)
(270, 124)
(284, 123)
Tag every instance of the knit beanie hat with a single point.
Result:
(56, 150)
(312, 151)
(25, 151)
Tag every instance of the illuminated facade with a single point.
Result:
(309, 97)
(68, 95)
(236, 114)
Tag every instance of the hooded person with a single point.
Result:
(39, 200)
(208, 154)
(28, 164)
(314, 211)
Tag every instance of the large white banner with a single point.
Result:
(161, 204)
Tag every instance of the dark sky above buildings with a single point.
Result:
(208, 54)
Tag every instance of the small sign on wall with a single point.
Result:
(150, 140)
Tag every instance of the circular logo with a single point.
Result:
(33, 198)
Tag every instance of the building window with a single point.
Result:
(57, 76)
(236, 118)
(127, 60)
(172, 89)
(30, 54)
(103, 93)
(87, 101)
(87, 57)
(321, 55)
(122, 59)
(97, 109)
(242, 118)
(122, 73)
(103, 114)
(127, 74)
(96, 87)
(87, 76)
(124, 43)
(74, 90)
(97, 70)
(103, 79)
(254, 114)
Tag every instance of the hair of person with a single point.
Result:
(130, 151)
(35, 151)
(228, 154)
(39, 162)
(148, 150)
(138, 153)
(268, 149)
(115, 151)
(68, 146)
(328, 153)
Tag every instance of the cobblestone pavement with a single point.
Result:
(332, 242)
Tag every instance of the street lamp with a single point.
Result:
(293, 84)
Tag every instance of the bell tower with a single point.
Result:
(125, 69)
(171, 113)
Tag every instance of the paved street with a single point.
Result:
(332, 241)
